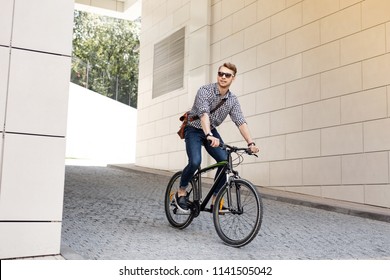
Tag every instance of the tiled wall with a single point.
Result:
(313, 82)
(35, 50)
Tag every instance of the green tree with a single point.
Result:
(105, 56)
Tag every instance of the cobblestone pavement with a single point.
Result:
(111, 214)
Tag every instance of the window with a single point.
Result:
(168, 67)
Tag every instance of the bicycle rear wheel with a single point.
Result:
(240, 223)
(174, 216)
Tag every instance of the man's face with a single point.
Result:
(225, 77)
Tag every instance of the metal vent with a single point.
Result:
(168, 65)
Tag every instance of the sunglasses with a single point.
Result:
(227, 75)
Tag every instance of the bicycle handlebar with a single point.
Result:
(237, 149)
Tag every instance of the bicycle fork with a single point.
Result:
(237, 208)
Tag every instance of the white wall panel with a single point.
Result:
(324, 170)
(366, 105)
(1, 156)
(376, 71)
(4, 61)
(375, 12)
(341, 81)
(340, 24)
(29, 239)
(314, 85)
(257, 33)
(321, 114)
(272, 148)
(270, 99)
(378, 195)
(388, 36)
(315, 9)
(322, 58)
(303, 144)
(303, 38)
(38, 93)
(286, 121)
(377, 135)
(35, 86)
(44, 25)
(367, 168)
(363, 45)
(286, 70)
(303, 91)
(287, 20)
(6, 21)
(32, 178)
(286, 173)
(342, 140)
(353, 193)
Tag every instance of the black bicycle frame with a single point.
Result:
(198, 182)
(227, 168)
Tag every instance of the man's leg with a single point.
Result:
(193, 139)
(218, 155)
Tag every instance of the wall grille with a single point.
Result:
(168, 65)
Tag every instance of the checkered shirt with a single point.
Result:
(207, 98)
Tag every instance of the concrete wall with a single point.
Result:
(313, 80)
(35, 57)
(100, 130)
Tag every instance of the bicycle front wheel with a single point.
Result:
(238, 219)
(175, 218)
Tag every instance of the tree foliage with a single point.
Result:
(105, 56)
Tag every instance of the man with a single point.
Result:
(202, 131)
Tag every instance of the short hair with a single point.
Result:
(230, 66)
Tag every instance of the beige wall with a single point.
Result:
(313, 82)
(35, 50)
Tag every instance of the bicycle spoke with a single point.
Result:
(239, 226)
(174, 216)
(239, 210)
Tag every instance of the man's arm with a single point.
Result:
(244, 130)
(205, 122)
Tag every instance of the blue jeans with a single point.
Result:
(195, 139)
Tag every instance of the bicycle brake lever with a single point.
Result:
(249, 152)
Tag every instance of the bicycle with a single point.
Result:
(237, 223)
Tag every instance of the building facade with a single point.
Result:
(313, 81)
(35, 57)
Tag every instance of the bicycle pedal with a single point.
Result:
(182, 212)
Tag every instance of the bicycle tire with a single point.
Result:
(238, 228)
(176, 219)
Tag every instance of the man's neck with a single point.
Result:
(223, 91)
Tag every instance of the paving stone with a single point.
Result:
(112, 214)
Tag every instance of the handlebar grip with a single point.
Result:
(221, 145)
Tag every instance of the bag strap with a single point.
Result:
(212, 111)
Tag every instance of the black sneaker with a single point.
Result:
(182, 203)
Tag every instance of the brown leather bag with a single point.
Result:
(184, 118)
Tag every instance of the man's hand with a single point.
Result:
(254, 149)
(214, 141)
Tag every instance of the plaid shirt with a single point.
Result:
(207, 98)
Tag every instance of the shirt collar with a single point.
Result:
(218, 93)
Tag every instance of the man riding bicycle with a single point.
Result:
(213, 103)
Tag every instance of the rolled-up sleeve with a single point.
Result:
(236, 114)
(202, 101)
